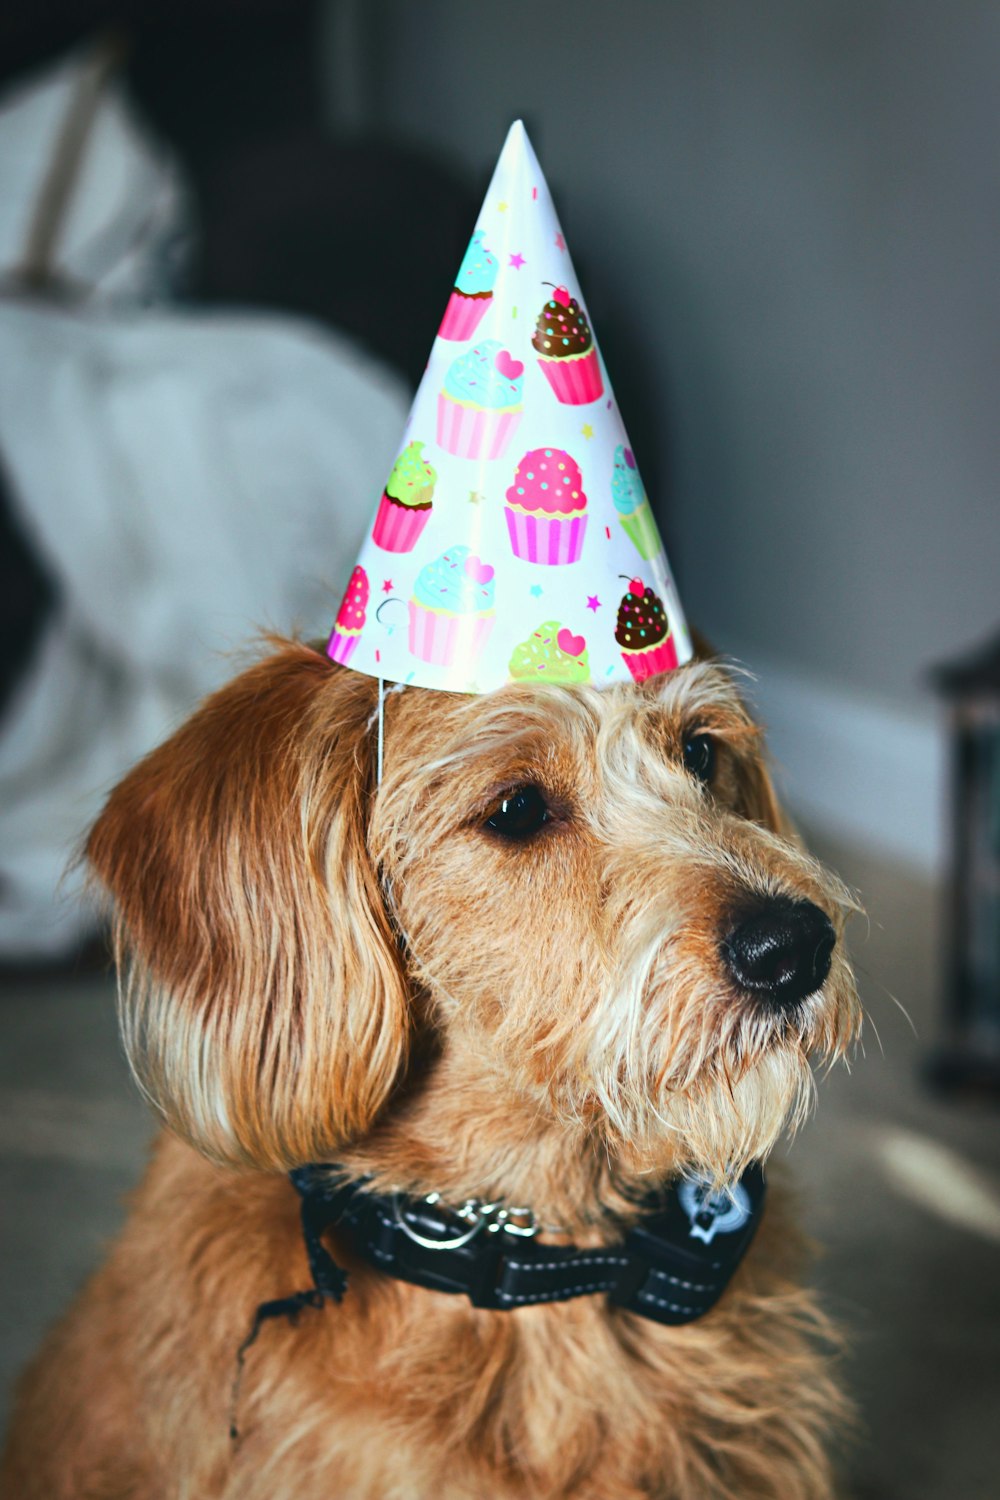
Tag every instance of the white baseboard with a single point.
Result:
(856, 766)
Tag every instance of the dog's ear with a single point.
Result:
(264, 1008)
(758, 799)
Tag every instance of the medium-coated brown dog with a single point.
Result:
(507, 973)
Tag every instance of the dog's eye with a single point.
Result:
(521, 813)
(699, 756)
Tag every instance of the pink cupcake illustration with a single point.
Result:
(472, 292)
(452, 609)
(546, 508)
(481, 404)
(566, 352)
(405, 507)
(643, 633)
(350, 619)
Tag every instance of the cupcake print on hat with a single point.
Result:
(405, 507)
(350, 618)
(566, 352)
(551, 654)
(515, 458)
(546, 508)
(451, 611)
(472, 292)
(480, 405)
(633, 507)
(643, 633)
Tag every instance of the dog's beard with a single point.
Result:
(689, 1077)
(683, 1071)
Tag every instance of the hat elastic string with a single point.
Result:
(381, 730)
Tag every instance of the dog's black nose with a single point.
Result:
(781, 951)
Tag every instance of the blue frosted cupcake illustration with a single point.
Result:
(472, 292)
(632, 505)
(451, 611)
(480, 406)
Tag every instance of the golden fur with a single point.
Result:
(321, 969)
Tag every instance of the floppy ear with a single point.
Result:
(264, 1007)
(758, 797)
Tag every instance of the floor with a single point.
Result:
(902, 1189)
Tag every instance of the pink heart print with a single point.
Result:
(573, 645)
(509, 367)
(479, 572)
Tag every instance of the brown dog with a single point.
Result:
(536, 966)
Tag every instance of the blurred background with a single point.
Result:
(227, 233)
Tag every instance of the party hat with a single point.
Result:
(514, 540)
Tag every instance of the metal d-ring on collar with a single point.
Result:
(493, 1217)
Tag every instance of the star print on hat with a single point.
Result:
(514, 522)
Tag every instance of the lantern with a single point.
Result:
(971, 1052)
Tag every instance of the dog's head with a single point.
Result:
(576, 906)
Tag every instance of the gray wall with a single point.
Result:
(785, 217)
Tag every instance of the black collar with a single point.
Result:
(672, 1266)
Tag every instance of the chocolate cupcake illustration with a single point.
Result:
(405, 507)
(632, 505)
(566, 353)
(643, 632)
(472, 292)
(350, 619)
(551, 654)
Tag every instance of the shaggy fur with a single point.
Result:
(319, 969)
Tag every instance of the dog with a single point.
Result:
(563, 959)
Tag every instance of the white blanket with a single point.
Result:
(188, 481)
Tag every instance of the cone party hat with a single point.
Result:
(514, 540)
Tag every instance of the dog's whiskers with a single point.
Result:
(870, 978)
